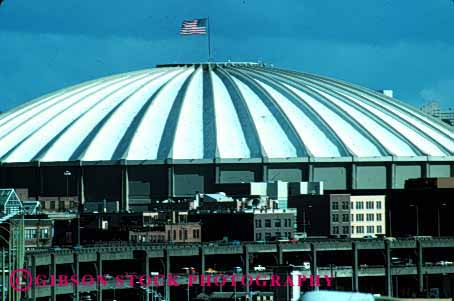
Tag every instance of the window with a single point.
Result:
(258, 236)
(61, 205)
(353, 205)
(168, 235)
(345, 229)
(360, 217)
(277, 223)
(359, 229)
(289, 222)
(268, 223)
(45, 233)
(369, 205)
(335, 218)
(345, 205)
(359, 205)
(345, 217)
(370, 217)
(185, 234)
(258, 223)
(174, 234)
(196, 233)
(370, 229)
(353, 229)
(379, 229)
(30, 234)
(278, 234)
(335, 205)
(378, 217)
(52, 204)
(267, 236)
(335, 230)
(353, 217)
(378, 204)
(180, 235)
(286, 223)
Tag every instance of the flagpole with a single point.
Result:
(209, 38)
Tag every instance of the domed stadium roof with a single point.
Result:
(217, 111)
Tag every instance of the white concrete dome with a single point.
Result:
(214, 112)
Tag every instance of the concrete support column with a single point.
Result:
(355, 283)
(33, 272)
(76, 230)
(38, 182)
(390, 175)
(202, 263)
(81, 188)
(76, 272)
(167, 273)
(280, 255)
(311, 176)
(314, 267)
(170, 181)
(353, 177)
(246, 266)
(425, 170)
(419, 266)
(265, 172)
(388, 271)
(217, 173)
(99, 270)
(53, 273)
(125, 188)
(41, 181)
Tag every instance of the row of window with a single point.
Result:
(267, 236)
(277, 223)
(358, 205)
(369, 229)
(152, 238)
(30, 234)
(370, 217)
(182, 234)
(52, 205)
(359, 229)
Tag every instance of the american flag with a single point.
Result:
(196, 26)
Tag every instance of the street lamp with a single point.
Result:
(67, 174)
(417, 218)
(442, 205)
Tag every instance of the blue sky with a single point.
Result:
(404, 45)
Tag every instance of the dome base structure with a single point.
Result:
(178, 129)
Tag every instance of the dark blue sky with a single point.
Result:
(404, 45)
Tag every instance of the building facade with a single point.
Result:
(274, 224)
(357, 216)
(247, 225)
(38, 231)
(59, 204)
(168, 233)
